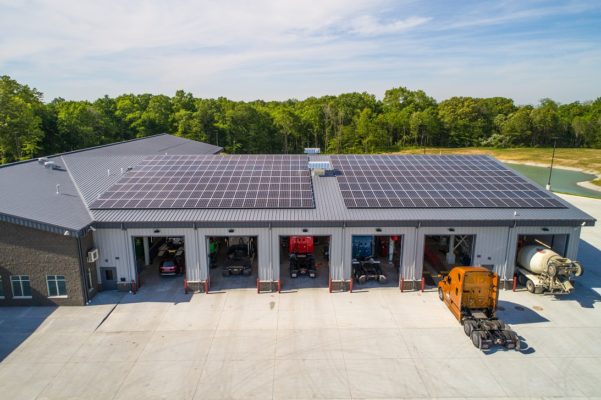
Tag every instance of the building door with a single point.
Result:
(109, 278)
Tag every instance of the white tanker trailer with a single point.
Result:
(543, 270)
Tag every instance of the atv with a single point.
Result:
(238, 261)
(365, 270)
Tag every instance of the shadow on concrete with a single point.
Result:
(516, 314)
(18, 323)
(587, 287)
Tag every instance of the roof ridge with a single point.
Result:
(89, 148)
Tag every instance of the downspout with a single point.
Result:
(82, 271)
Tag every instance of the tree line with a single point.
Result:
(347, 123)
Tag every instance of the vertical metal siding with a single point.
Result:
(489, 246)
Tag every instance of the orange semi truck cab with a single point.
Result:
(471, 294)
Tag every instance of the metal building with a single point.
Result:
(418, 224)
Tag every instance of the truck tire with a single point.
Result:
(468, 327)
(440, 294)
(552, 270)
(530, 286)
(382, 279)
(477, 339)
(578, 270)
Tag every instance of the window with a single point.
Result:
(1, 288)
(57, 286)
(20, 286)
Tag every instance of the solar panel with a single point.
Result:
(455, 181)
(210, 181)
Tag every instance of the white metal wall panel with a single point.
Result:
(263, 248)
(335, 234)
(112, 252)
(407, 248)
(573, 233)
(490, 246)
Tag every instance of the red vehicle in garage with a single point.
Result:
(170, 266)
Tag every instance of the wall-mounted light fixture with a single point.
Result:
(157, 231)
(545, 229)
(378, 229)
(451, 229)
(230, 230)
(305, 230)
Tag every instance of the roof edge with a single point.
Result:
(102, 146)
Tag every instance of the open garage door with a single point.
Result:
(304, 262)
(376, 261)
(443, 252)
(160, 261)
(232, 262)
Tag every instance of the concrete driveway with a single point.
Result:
(306, 344)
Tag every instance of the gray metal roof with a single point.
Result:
(28, 196)
(28, 189)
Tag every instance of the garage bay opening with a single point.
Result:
(376, 261)
(160, 260)
(304, 262)
(443, 252)
(232, 262)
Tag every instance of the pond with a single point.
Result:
(562, 180)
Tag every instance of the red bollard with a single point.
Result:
(515, 281)
(330, 285)
(133, 286)
(351, 285)
(258, 291)
(279, 286)
(207, 286)
(423, 283)
(402, 284)
(185, 286)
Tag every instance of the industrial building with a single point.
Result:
(102, 218)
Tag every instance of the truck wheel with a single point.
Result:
(578, 269)
(362, 279)
(382, 279)
(552, 270)
(477, 339)
(468, 327)
(530, 286)
(440, 294)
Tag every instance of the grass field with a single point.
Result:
(588, 160)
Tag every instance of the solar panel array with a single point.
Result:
(212, 181)
(435, 182)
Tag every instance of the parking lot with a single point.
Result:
(303, 344)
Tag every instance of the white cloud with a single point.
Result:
(369, 25)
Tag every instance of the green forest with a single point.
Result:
(347, 123)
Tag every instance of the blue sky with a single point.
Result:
(278, 49)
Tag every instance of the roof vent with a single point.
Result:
(42, 160)
(49, 164)
(312, 150)
(321, 168)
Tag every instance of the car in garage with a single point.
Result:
(170, 266)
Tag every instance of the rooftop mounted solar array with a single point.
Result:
(213, 181)
(453, 181)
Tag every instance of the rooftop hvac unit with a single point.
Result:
(321, 168)
(92, 255)
(49, 164)
(42, 160)
(312, 150)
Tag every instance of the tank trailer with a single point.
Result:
(542, 270)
